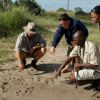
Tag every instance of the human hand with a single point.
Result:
(58, 73)
(76, 66)
(52, 50)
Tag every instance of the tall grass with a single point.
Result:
(12, 21)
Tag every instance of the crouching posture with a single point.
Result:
(29, 44)
(89, 65)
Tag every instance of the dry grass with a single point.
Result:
(7, 48)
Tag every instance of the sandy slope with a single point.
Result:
(40, 85)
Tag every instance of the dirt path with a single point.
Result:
(40, 85)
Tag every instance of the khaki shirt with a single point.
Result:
(24, 44)
(89, 54)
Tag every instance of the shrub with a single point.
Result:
(61, 10)
(12, 21)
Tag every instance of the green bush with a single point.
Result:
(61, 10)
(12, 21)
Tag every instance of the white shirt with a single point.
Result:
(89, 54)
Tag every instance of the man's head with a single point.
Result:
(78, 38)
(64, 20)
(95, 14)
(30, 29)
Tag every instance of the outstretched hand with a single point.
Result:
(58, 73)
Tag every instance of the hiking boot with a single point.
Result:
(33, 63)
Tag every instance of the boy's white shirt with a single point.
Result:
(90, 54)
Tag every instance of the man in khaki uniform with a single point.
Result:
(29, 44)
(89, 56)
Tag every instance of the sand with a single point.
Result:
(31, 84)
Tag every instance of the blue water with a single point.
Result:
(51, 5)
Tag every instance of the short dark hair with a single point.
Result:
(64, 16)
(96, 9)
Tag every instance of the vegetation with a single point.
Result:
(61, 10)
(13, 16)
(79, 11)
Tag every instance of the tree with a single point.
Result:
(31, 5)
(61, 9)
(78, 11)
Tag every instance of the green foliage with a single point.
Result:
(31, 5)
(6, 4)
(13, 20)
(1, 7)
(79, 11)
(61, 10)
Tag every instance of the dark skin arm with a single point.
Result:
(67, 60)
(76, 66)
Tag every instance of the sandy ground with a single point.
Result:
(40, 85)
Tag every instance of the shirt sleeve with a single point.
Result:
(57, 36)
(18, 46)
(94, 55)
(74, 52)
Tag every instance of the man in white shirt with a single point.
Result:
(89, 56)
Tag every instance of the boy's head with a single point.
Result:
(78, 38)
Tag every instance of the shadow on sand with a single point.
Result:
(47, 68)
(44, 68)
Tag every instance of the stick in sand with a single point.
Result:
(76, 80)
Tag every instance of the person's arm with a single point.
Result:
(87, 65)
(93, 58)
(56, 39)
(73, 54)
(67, 60)
(19, 43)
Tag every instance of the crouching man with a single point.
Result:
(29, 44)
(89, 65)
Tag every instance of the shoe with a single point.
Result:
(33, 63)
